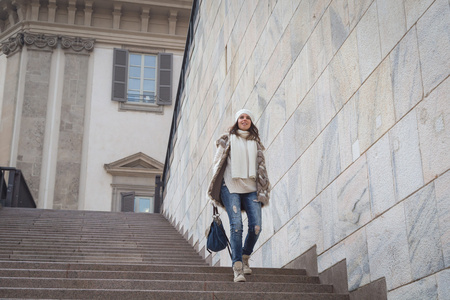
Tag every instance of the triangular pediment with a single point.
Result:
(136, 165)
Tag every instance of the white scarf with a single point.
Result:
(243, 156)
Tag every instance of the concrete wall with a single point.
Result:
(351, 100)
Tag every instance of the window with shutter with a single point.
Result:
(127, 202)
(164, 95)
(120, 71)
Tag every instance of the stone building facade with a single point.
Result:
(352, 102)
(77, 148)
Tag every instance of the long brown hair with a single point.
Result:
(254, 133)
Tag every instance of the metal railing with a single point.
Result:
(14, 191)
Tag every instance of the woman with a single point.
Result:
(239, 183)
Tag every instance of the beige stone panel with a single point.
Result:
(344, 71)
(8, 110)
(340, 24)
(328, 200)
(375, 106)
(302, 66)
(356, 9)
(34, 113)
(424, 238)
(31, 173)
(369, 48)
(67, 185)
(3, 65)
(387, 244)
(311, 226)
(326, 108)
(434, 44)
(357, 258)
(352, 190)
(381, 178)
(300, 28)
(414, 10)
(294, 242)
(348, 132)
(392, 23)
(321, 162)
(425, 288)
(442, 188)
(71, 134)
(279, 257)
(316, 10)
(320, 49)
(406, 77)
(433, 115)
(406, 160)
(277, 116)
(291, 91)
(305, 118)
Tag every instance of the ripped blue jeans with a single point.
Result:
(233, 203)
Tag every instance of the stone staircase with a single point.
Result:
(50, 254)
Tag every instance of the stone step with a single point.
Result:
(111, 245)
(108, 258)
(95, 240)
(141, 267)
(143, 275)
(118, 250)
(165, 295)
(50, 254)
(168, 285)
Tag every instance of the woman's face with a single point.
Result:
(244, 122)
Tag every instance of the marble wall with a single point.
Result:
(351, 100)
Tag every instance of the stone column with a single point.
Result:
(71, 127)
(9, 106)
(34, 108)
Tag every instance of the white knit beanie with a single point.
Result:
(244, 111)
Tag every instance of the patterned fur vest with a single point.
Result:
(220, 163)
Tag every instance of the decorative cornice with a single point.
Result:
(46, 41)
(40, 40)
(77, 44)
(172, 43)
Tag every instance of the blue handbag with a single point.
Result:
(217, 239)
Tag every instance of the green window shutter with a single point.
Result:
(127, 202)
(120, 74)
(164, 88)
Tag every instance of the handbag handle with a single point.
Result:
(215, 211)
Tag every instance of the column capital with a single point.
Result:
(40, 40)
(13, 44)
(77, 44)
